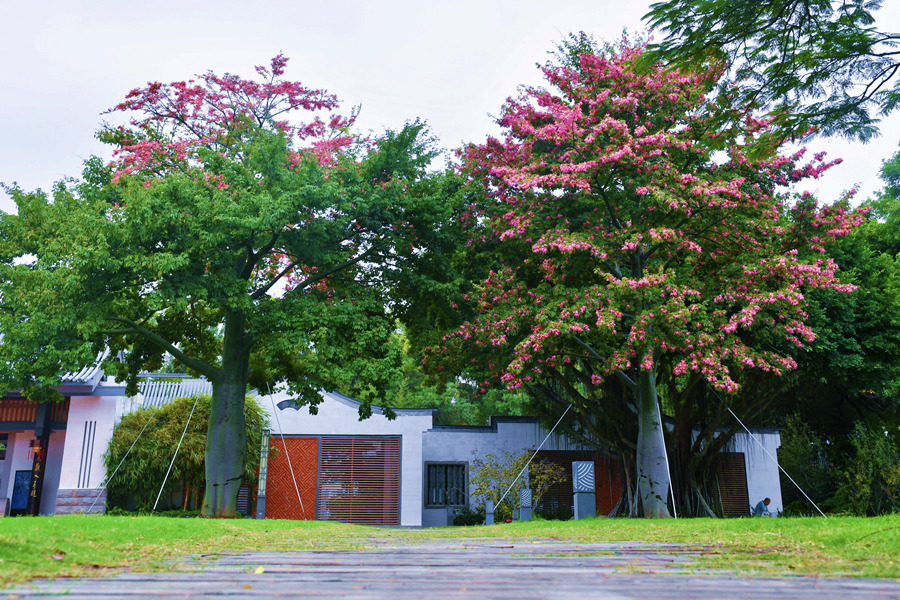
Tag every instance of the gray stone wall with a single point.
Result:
(79, 501)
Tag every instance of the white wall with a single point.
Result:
(52, 471)
(338, 415)
(20, 458)
(762, 471)
(88, 433)
(465, 444)
(5, 477)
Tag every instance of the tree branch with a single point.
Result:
(194, 363)
(263, 290)
(319, 277)
(625, 379)
(254, 258)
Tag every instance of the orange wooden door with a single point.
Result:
(607, 474)
(281, 495)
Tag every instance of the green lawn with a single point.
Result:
(38, 547)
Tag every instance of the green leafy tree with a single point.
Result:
(822, 64)
(853, 366)
(224, 234)
(872, 479)
(143, 470)
(455, 402)
(634, 249)
(883, 229)
(851, 371)
(805, 457)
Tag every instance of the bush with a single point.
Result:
(495, 474)
(872, 480)
(468, 517)
(556, 513)
(137, 482)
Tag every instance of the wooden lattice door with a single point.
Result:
(360, 480)
(281, 495)
(732, 474)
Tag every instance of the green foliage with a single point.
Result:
(851, 371)
(823, 64)
(804, 456)
(847, 383)
(872, 479)
(884, 226)
(542, 475)
(455, 402)
(495, 474)
(137, 482)
(466, 517)
(225, 235)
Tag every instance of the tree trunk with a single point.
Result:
(226, 440)
(652, 472)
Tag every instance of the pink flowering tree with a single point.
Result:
(241, 230)
(646, 225)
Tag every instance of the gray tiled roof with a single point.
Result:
(157, 393)
(90, 375)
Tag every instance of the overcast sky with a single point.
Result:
(451, 63)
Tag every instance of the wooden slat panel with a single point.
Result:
(281, 495)
(24, 411)
(59, 411)
(732, 471)
(243, 499)
(359, 480)
(18, 411)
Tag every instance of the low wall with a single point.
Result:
(80, 501)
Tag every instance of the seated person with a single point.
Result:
(762, 509)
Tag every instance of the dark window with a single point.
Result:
(4, 440)
(446, 485)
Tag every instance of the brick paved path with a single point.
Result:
(461, 569)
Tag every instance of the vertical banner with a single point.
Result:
(263, 473)
(39, 463)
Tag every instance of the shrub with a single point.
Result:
(136, 484)
(467, 517)
(496, 473)
(872, 480)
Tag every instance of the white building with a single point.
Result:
(329, 466)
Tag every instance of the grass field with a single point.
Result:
(69, 546)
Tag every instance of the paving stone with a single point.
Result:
(469, 568)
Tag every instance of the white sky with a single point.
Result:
(451, 63)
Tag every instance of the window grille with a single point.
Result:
(446, 485)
